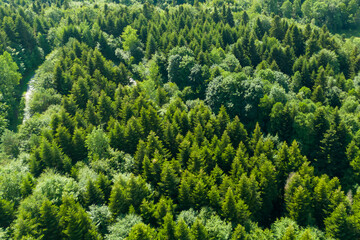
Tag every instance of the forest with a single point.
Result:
(182, 119)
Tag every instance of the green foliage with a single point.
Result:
(9, 76)
(75, 222)
(54, 187)
(97, 144)
(7, 213)
(141, 231)
(10, 143)
(147, 113)
(122, 227)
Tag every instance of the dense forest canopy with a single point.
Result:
(179, 119)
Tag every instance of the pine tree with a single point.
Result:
(214, 198)
(184, 153)
(195, 163)
(253, 52)
(306, 76)
(147, 212)
(170, 132)
(79, 151)
(227, 156)
(297, 40)
(199, 194)
(59, 80)
(49, 221)
(312, 45)
(118, 201)
(321, 201)
(133, 133)
(27, 185)
(333, 145)
(75, 222)
(168, 228)
(64, 139)
(215, 15)
(229, 209)
(117, 137)
(105, 186)
(282, 162)
(244, 18)
(318, 95)
(239, 233)
(150, 121)
(36, 163)
(337, 225)
(198, 231)
(321, 125)
(90, 114)
(93, 194)
(7, 213)
(182, 230)
(46, 153)
(185, 199)
(150, 46)
(237, 132)
(277, 29)
(23, 33)
(169, 181)
(268, 191)
(223, 119)
(259, 29)
(321, 78)
(104, 107)
(298, 206)
(136, 190)
(256, 137)
(248, 190)
(163, 207)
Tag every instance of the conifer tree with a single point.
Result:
(298, 206)
(150, 46)
(49, 221)
(104, 107)
(75, 222)
(229, 209)
(182, 231)
(337, 225)
(214, 198)
(169, 181)
(199, 194)
(7, 213)
(239, 233)
(93, 194)
(118, 201)
(168, 228)
(277, 29)
(198, 231)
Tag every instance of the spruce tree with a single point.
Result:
(118, 201)
(337, 225)
(168, 228)
(49, 221)
(198, 231)
(93, 194)
(229, 209)
(6, 213)
(182, 231)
